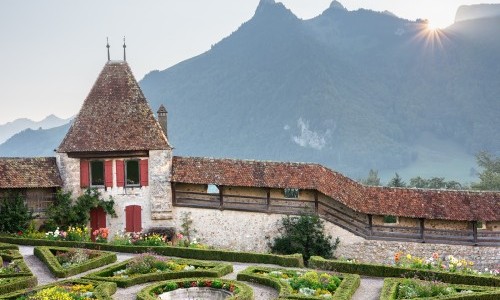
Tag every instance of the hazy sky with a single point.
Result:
(53, 50)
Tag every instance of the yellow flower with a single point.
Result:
(408, 256)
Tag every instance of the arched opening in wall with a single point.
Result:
(133, 218)
(97, 220)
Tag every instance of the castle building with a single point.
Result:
(117, 146)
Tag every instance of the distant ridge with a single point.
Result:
(477, 11)
(10, 128)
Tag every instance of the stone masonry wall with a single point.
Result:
(246, 231)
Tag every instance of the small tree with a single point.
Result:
(490, 176)
(397, 181)
(14, 214)
(305, 235)
(372, 178)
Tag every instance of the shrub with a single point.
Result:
(14, 214)
(304, 234)
(64, 213)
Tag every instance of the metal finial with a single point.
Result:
(124, 54)
(107, 46)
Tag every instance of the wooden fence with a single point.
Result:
(338, 214)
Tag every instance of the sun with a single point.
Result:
(432, 26)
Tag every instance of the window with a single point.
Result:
(97, 173)
(132, 177)
(390, 219)
(291, 193)
(212, 189)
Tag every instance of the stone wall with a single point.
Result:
(246, 231)
(383, 252)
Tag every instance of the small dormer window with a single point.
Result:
(132, 173)
(97, 173)
(291, 193)
(212, 189)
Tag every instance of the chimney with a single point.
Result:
(162, 119)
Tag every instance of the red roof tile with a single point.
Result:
(115, 116)
(415, 203)
(39, 172)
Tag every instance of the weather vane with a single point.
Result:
(107, 46)
(124, 54)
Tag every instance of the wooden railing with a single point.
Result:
(338, 214)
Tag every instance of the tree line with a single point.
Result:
(489, 177)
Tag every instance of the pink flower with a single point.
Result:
(180, 236)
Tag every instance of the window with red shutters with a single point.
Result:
(108, 173)
(120, 173)
(84, 174)
(133, 222)
(143, 167)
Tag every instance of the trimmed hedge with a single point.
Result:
(379, 270)
(46, 256)
(11, 284)
(102, 290)
(14, 255)
(294, 260)
(210, 269)
(5, 246)
(391, 285)
(245, 292)
(349, 284)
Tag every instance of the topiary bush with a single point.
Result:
(305, 235)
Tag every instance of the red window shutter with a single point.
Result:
(137, 218)
(108, 173)
(133, 221)
(143, 167)
(120, 174)
(84, 174)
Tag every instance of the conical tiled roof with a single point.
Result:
(115, 116)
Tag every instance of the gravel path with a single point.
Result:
(369, 289)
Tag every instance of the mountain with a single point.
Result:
(352, 90)
(29, 142)
(477, 11)
(9, 129)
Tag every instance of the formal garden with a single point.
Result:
(301, 263)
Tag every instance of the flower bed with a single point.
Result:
(195, 253)
(65, 262)
(379, 270)
(14, 273)
(13, 264)
(293, 284)
(148, 267)
(67, 290)
(414, 289)
(239, 290)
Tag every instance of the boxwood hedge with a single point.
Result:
(15, 256)
(349, 284)
(294, 260)
(209, 269)
(391, 285)
(379, 270)
(11, 284)
(245, 292)
(102, 290)
(45, 254)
